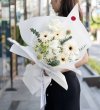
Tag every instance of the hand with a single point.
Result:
(83, 61)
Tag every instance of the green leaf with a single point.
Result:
(54, 63)
(65, 40)
(35, 32)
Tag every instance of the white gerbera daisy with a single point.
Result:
(62, 58)
(70, 48)
(45, 36)
(58, 35)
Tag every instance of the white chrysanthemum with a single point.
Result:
(71, 48)
(55, 25)
(45, 36)
(56, 51)
(62, 58)
(54, 44)
(50, 54)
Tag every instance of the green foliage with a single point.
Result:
(41, 47)
(35, 32)
(94, 64)
(65, 40)
(54, 63)
(40, 56)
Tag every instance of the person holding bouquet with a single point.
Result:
(57, 45)
(57, 98)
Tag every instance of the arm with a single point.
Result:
(83, 61)
(80, 63)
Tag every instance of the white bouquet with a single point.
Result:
(56, 47)
(53, 43)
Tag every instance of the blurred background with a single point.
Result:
(13, 92)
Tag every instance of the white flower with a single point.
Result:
(56, 51)
(54, 44)
(55, 25)
(58, 35)
(50, 55)
(45, 36)
(62, 58)
(71, 48)
(65, 50)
